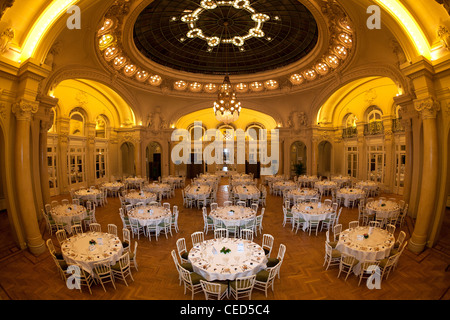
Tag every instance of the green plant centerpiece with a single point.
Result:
(92, 242)
(225, 250)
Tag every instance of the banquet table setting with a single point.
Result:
(350, 195)
(280, 186)
(307, 181)
(341, 180)
(247, 192)
(156, 187)
(149, 214)
(133, 197)
(134, 182)
(383, 209)
(66, 213)
(370, 186)
(302, 193)
(365, 243)
(113, 187)
(233, 215)
(325, 186)
(227, 258)
(309, 211)
(196, 191)
(88, 248)
(173, 180)
(90, 194)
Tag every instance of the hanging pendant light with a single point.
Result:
(227, 108)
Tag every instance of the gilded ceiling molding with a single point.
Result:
(114, 57)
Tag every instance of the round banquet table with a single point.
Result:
(309, 211)
(195, 192)
(133, 197)
(157, 187)
(350, 194)
(65, 213)
(233, 215)
(367, 185)
(325, 185)
(272, 179)
(242, 181)
(305, 193)
(307, 180)
(88, 194)
(245, 258)
(284, 185)
(172, 180)
(149, 215)
(134, 182)
(340, 180)
(77, 250)
(247, 191)
(383, 209)
(113, 187)
(376, 247)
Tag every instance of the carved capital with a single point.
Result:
(24, 109)
(428, 107)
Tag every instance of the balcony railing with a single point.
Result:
(397, 125)
(350, 132)
(373, 128)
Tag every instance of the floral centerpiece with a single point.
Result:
(366, 235)
(383, 204)
(225, 250)
(92, 242)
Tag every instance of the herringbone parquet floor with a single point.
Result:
(417, 277)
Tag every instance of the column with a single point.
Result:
(428, 108)
(24, 110)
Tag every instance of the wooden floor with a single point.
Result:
(418, 277)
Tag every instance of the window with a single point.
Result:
(376, 163)
(351, 162)
(100, 163)
(76, 124)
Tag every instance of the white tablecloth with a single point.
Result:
(305, 193)
(76, 249)
(350, 194)
(242, 181)
(133, 197)
(309, 211)
(325, 185)
(157, 187)
(376, 247)
(149, 215)
(113, 186)
(383, 209)
(284, 185)
(233, 215)
(247, 191)
(309, 180)
(172, 180)
(66, 212)
(88, 194)
(195, 192)
(245, 258)
(134, 181)
(340, 180)
(367, 185)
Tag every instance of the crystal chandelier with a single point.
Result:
(227, 108)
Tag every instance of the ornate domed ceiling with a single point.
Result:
(218, 37)
(188, 45)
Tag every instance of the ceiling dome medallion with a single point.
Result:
(197, 27)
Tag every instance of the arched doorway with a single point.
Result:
(324, 161)
(153, 160)
(127, 157)
(298, 158)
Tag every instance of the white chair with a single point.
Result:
(165, 227)
(227, 203)
(136, 228)
(313, 223)
(76, 229)
(133, 256)
(214, 206)
(191, 281)
(61, 235)
(175, 219)
(246, 234)
(197, 238)
(353, 224)
(208, 222)
(368, 268)
(122, 269)
(346, 264)
(332, 256)
(214, 291)
(95, 227)
(259, 222)
(182, 250)
(220, 233)
(103, 273)
(112, 229)
(242, 287)
(267, 244)
(265, 279)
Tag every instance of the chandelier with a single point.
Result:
(227, 108)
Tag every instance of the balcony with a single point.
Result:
(350, 132)
(373, 128)
(397, 126)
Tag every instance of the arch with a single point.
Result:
(373, 113)
(101, 126)
(77, 122)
